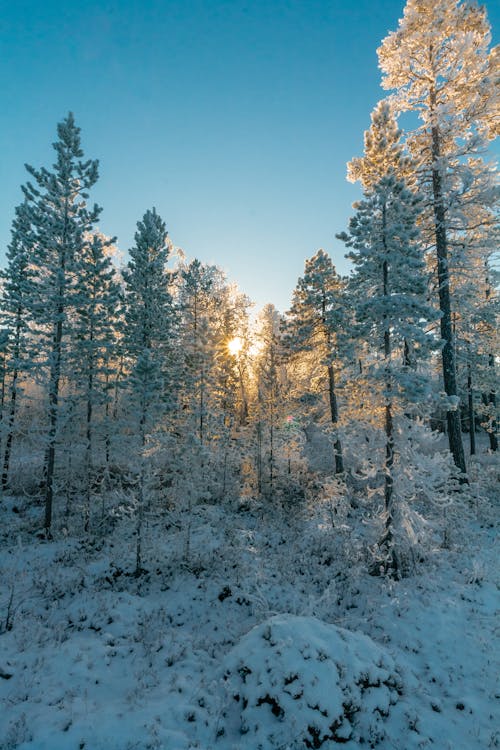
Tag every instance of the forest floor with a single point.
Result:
(200, 651)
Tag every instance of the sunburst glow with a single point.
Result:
(235, 345)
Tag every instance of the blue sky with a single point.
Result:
(235, 119)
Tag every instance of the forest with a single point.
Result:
(232, 528)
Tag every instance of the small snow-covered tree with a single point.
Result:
(269, 408)
(94, 335)
(214, 346)
(59, 217)
(15, 316)
(313, 322)
(148, 330)
(388, 293)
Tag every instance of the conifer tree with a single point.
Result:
(56, 206)
(383, 150)
(439, 66)
(388, 291)
(213, 318)
(148, 330)
(313, 322)
(383, 153)
(16, 299)
(270, 385)
(196, 301)
(95, 335)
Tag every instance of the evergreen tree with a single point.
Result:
(214, 344)
(16, 298)
(56, 206)
(439, 66)
(388, 291)
(270, 404)
(198, 283)
(313, 323)
(95, 335)
(148, 330)
(383, 150)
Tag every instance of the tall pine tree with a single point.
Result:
(313, 322)
(16, 299)
(439, 66)
(388, 291)
(148, 330)
(60, 219)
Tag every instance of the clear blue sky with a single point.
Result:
(235, 119)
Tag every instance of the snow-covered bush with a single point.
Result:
(298, 682)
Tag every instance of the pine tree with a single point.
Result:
(313, 322)
(214, 345)
(439, 66)
(383, 150)
(60, 219)
(270, 404)
(95, 335)
(16, 297)
(196, 302)
(148, 330)
(388, 291)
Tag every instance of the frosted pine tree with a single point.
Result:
(388, 293)
(197, 294)
(383, 153)
(148, 331)
(439, 66)
(214, 346)
(57, 210)
(15, 318)
(271, 398)
(95, 336)
(383, 150)
(313, 323)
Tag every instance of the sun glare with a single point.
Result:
(235, 345)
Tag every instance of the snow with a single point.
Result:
(297, 680)
(98, 659)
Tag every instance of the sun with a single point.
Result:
(234, 346)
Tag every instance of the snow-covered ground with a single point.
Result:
(270, 635)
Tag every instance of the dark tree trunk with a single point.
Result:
(472, 418)
(140, 498)
(389, 427)
(490, 400)
(88, 435)
(334, 411)
(339, 462)
(448, 351)
(55, 377)
(13, 402)
(259, 457)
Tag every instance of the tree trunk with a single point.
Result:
(259, 457)
(55, 376)
(13, 401)
(389, 462)
(472, 418)
(389, 427)
(339, 462)
(490, 401)
(448, 351)
(140, 497)
(88, 437)
(10, 430)
(334, 412)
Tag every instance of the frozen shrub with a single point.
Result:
(299, 682)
